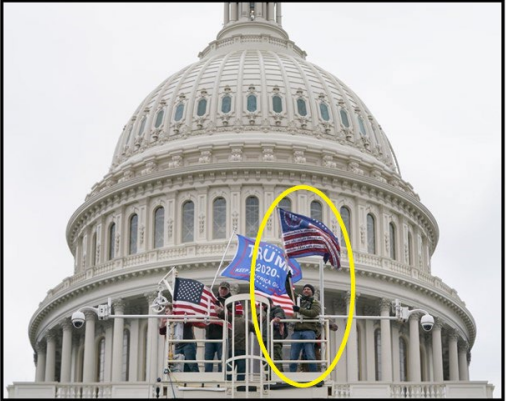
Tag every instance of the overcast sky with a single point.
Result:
(75, 73)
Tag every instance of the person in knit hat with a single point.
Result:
(309, 308)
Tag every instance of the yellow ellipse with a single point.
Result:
(352, 280)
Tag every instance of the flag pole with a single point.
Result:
(222, 259)
(322, 292)
(288, 283)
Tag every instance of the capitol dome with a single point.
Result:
(203, 156)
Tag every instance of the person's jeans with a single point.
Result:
(241, 366)
(308, 349)
(189, 350)
(209, 350)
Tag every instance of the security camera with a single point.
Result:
(78, 319)
(427, 322)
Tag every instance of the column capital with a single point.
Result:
(415, 316)
(90, 316)
(453, 335)
(347, 297)
(438, 324)
(51, 335)
(463, 346)
(385, 305)
(339, 305)
(150, 297)
(41, 346)
(66, 324)
(119, 306)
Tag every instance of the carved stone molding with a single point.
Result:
(41, 346)
(66, 324)
(90, 316)
(463, 346)
(119, 306)
(339, 306)
(385, 305)
(150, 297)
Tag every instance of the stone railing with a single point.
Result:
(450, 389)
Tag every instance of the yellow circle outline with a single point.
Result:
(352, 279)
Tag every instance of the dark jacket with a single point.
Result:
(215, 331)
(241, 330)
(276, 311)
(310, 308)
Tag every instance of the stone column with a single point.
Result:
(233, 12)
(278, 13)
(453, 338)
(396, 375)
(90, 354)
(226, 17)
(270, 11)
(117, 350)
(351, 347)
(152, 342)
(66, 351)
(339, 309)
(386, 342)
(134, 347)
(40, 372)
(437, 350)
(463, 366)
(107, 329)
(414, 371)
(430, 357)
(370, 350)
(50, 356)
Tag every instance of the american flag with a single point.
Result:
(282, 300)
(191, 297)
(304, 236)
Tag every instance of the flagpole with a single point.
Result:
(289, 274)
(222, 259)
(322, 292)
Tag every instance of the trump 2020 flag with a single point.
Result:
(191, 297)
(270, 270)
(304, 236)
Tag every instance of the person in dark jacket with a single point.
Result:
(215, 332)
(309, 308)
(183, 331)
(280, 330)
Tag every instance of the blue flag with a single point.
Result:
(270, 271)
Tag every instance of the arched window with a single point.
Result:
(179, 112)
(361, 126)
(346, 216)
(301, 107)
(101, 360)
(371, 234)
(344, 118)
(252, 216)
(93, 255)
(377, 347)
(403, 359)
(277, 105)
(393, 252)
(219, 218)
(286, 204)
(134, 222)
(201, 108)
(159, 118)
(159, 220)
(252, 103)
(226, 104)
(324, 111)
(141, 128)
(129, 134)
(126, 356)
(112, 235)
(410, 249)
(316, 211)
(188, 221)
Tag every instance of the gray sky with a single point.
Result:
(75, 73)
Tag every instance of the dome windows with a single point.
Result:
(316, 211)
(159, 118)
(277, 104)
(158, 229)
(112, 236)
(346, 217)
(134, 222)
(301, 107)
(141, 128)
(188, 221)
(361, 125)
(219, 218)
(252, 216)
(226, 104)
(324, 111)
(251, 103)
(371, 234)
(344, 118)
(178, 115)
(391, 230)
(201, 107)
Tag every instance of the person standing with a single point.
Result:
(215, 332)
(280, 330)
(183, 331)
(309, 308)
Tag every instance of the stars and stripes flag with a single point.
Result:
(284, 301)
(304, 236)
(191, 297)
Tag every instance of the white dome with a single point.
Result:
(253, 59)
